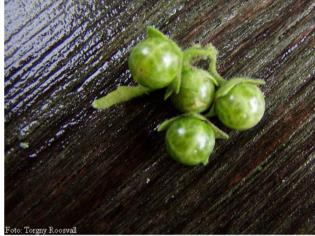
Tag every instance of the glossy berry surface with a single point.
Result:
(155, 62)
(190, 141)
(196, 91)
(242, 107)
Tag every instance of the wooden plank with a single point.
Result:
(108, 172)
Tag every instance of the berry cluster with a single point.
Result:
(157, 62)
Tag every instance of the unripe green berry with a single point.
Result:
(242, 107)
(190, 141)
(155, 62)
(196, 91)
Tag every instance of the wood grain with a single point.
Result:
(108, 172)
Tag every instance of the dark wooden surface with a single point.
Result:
(108, 172)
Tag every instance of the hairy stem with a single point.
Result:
(197, 52)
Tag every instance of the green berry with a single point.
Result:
(156, 61)
(190, 141)
(196, 91)
(242, 107)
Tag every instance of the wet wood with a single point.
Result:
(108, 172)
